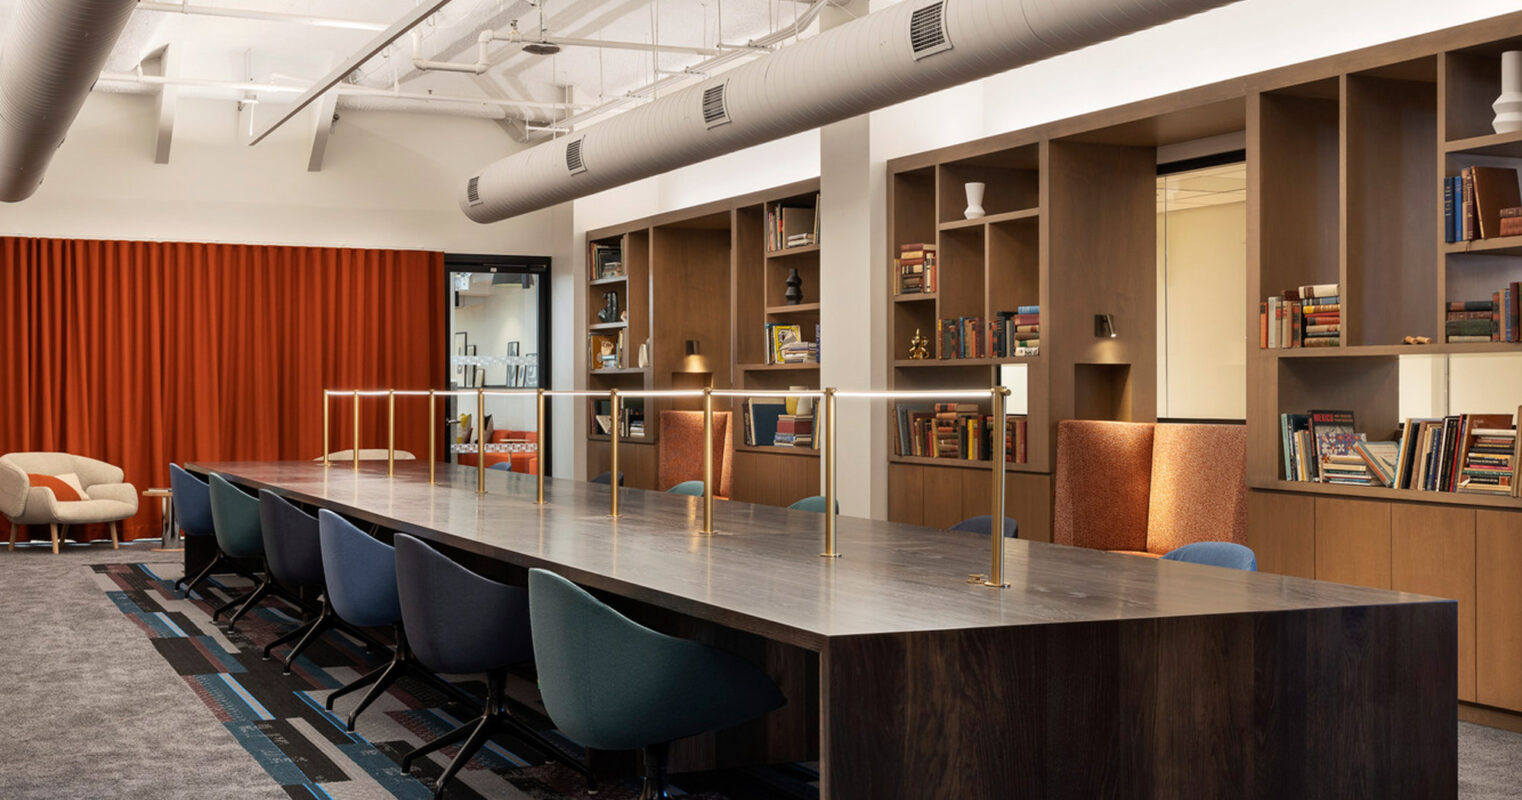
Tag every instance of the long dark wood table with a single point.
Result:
(1093, 675)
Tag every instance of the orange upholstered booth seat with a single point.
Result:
(1147, 489)
(680, 456)
(527, 463)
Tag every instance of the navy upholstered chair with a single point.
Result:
(504, 466)
(192, 511)
(815, 503)
(235, 514)
(360, 571)
(983, 524)
(1215, 554)
(690, 488)
(607, 478)
(293, 551)
(460, 623)
(611, 684)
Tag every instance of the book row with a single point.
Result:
(1493, 320)
(790, 226)
(1010, 333)
(1481, 203)
(1306, 316)
(957, 431)
(785, 344)
(1471, 453)
(915, 268)
(768, 422)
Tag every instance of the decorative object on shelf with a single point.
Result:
(1104, 326)
(644, 354)
(794, 294)
(1508, 105)
(609, 312)
(1417, 340)
(917, 349)
(799, 405)
(974, 200)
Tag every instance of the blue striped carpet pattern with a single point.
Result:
(281, 721)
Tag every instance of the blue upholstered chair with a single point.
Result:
(504, 466)
(461, 623)
(1216, 554)
(606, 478)
(192, 511)
(690, 488)
(293, 551)
(815, 503)
(611, 684)
(235, 514)
(360, 571)
(983, 524)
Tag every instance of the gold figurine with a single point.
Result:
(917, 345)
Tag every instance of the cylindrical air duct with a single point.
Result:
(902, 52)
(49, 60)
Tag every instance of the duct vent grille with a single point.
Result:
(927, 30)
(473, 191)
(715, 109)
(573, 160)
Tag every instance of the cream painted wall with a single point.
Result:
(1202, 277)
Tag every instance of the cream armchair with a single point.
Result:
(110, 499)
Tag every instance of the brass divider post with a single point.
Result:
(390, 433)
(707, 461)
(356, 430)
(829, 474)
(325, 461)
(539, 410)
(1000, 452)
(480, 441)
(618, 408)
(433, 432)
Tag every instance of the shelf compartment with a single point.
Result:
(1010, 183)
(1495, 246)
(1387, 493)
(1503, 145)
(1299, 197)
(801, 308)
(778, 367)
(608, 326)
(609, 281)
(801, 452)
(789, 252)
(919, 297)
(992, 219)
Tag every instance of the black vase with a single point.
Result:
(794, 294)
(609, 312)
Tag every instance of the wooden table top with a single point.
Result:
(762, 572)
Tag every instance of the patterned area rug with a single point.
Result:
(281, 721)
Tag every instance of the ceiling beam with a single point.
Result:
(353, 62)
(322, 129)
(167, 60)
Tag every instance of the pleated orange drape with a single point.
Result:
(143, 353)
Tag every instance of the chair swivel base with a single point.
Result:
(654, 785)
(381, 678)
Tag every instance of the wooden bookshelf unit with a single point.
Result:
(678, 266)
(1345, 158)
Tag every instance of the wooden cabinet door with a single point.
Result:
(1432, 551)
(1353, 542)
(1498, 608)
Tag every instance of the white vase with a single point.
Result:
(1509, 105)
(974, 201)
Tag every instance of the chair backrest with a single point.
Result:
(292, 544)
(192, 502)
(690, 488)
(456, 620)
(360, 571)
(504, 466)
(1216, 554)
(368, 454)
(607, 478)
(235, 515)
(14, 487)
(679, 455)
(91, 471)
(612, 684)
(815, 503)
(1199, 485)
(1104, 480)
(984, 524)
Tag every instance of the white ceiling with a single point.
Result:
(226, 49)
(1210, 186)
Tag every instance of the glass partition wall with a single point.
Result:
(499, 318)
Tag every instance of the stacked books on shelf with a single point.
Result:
(794, 430)
(1306, 316)
(915, 267)
(1493, 320)
(633, 417)
(606, 350)
(1478, 201)
(1011, 333)
(785, 344)
(789, 226)
(767, 423)
(956, 431)
(1474, 453)
(1324, 446)
(607, 261)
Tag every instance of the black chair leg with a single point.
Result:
(358, 683)
(654, 787)
(440, 743)
(477, 738)
(230, 605)
(323, 623)
(259, 593)
(289, 636)
(393, 671)
(203, 575)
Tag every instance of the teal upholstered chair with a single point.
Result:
(611, 684)
(240, 534)
(690, 488)
(984, 524)
(1216, 554)
(815, 503)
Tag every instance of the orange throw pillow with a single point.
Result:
(62, 492)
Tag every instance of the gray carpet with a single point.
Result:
(91, 710)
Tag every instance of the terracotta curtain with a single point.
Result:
(143, 353)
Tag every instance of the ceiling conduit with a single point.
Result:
(893, 55)
(51, 56)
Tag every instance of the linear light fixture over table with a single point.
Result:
(896, 54)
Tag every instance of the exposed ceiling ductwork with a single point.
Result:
(51, 56)
(893, 55)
